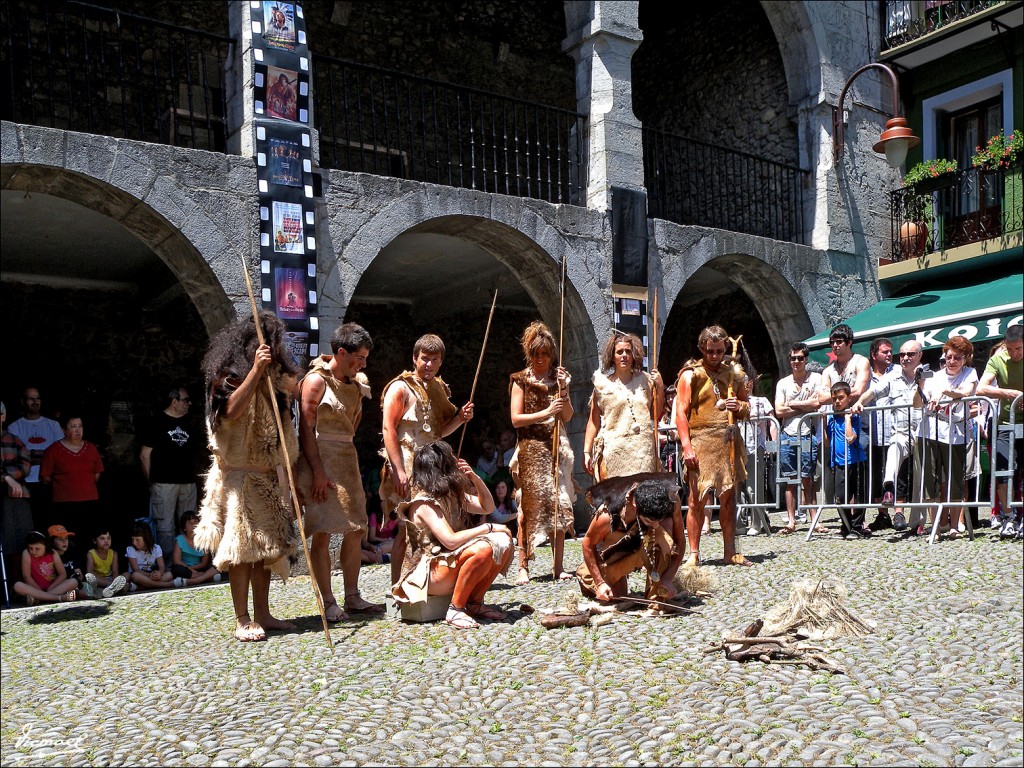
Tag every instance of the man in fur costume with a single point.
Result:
(417, 411)
(329, 483)
(245, 517)
(639, 528)
(710, 397)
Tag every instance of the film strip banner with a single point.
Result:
(630, 305)
(284, 170)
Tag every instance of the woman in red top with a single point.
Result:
(72, 467)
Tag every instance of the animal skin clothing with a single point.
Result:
(532, 467)
(625, 445)
(719, 467)
(245, 517)
(337, 416)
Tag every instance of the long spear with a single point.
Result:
(472, 390)
(287, 459)
(558, 423)
(654, 367)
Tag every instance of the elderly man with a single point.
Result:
(896, 427)
(710, 398)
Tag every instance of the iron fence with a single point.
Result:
(956, 209)
(378, 121)
(908, 20)
(691, 182)
(80, 67)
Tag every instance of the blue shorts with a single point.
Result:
(788, 450)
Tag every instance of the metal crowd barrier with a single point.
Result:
(878, 426)
(1012, 432)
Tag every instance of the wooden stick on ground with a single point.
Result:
(287, 460)
(479, 362)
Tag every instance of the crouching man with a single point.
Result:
(637, 523)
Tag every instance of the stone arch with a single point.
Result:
(798, 46)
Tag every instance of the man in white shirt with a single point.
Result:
(37, 433)
(795, 396)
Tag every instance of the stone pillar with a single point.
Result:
(238, 82)
(603, 36)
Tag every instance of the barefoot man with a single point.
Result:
(246, 517)
(417, 411)
(710, 444)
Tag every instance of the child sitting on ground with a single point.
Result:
(45, 580)
(146, 561)
(60, 543)
(846, 459)
(101, 567)
(191, 566)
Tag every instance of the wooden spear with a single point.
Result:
(287, 459)
(654, 367)
(558, 423)
(472, 390)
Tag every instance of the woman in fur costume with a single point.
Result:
(540, 394)
(624, 409)
(447, 553)
(245, 517)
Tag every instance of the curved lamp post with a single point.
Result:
(895, 140)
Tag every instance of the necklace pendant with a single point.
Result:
(655, 576)
(426, 427)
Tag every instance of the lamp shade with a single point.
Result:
(895, 141)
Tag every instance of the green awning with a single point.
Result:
(980, 312)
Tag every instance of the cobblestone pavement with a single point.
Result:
(156, 679)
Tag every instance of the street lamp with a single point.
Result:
(895, 140)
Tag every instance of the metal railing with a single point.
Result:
(956, 209)
(378, 121)
(79, 67)
(907, 20)
(695, 183)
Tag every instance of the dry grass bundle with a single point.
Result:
(815, 610)
(695, 581)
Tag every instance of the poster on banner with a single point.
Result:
(284, 162)
(279, 25)
(290, 290)
(282, 93)
(298, 344)
(287, 236)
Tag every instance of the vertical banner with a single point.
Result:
(284, 171)
(630, 304)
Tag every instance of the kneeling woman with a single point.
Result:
(446, 554)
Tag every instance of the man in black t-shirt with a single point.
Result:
(168, 461)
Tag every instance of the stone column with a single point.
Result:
(238, 82)
(603, 36)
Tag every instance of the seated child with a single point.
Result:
(43, 574)
(101, 567)
(146, 561)
(847, 461)
(191, 566)
(60, 543)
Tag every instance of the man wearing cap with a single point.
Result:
(37, 433)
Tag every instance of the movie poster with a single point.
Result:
(279, 25)
(282, 93)
(298, 344)
(290, 284)
(284, 162)
(287, 236)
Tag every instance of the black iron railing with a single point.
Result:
(388, 123)
(908, 20)
(956, 209)
(691, 182)
(80, 67)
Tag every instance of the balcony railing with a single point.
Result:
(956, 209)
(388, 123)
(83, 68)
(909, 20)
(690, 182)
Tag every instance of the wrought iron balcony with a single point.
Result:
(690, 182)
(909, 20)
(83, 68)
(956, 209)
(389, 123)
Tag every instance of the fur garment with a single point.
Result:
(625, 444)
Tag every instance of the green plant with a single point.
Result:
(1000, 152)
(929, 169)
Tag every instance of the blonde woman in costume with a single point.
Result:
(540, 395)
(447, 553)
(625, 406)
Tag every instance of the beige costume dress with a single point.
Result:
(532, 467)
(245, 517)
(720, 465)
(625, 445)
(421, 424)
(337, 415)
(424, 550)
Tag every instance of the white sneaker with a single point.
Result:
(116, 586)
(133, 587)
(996, 524)
(752, 531)
(180, 582)
(1009, 529)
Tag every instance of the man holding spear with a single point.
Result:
(708, 401)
